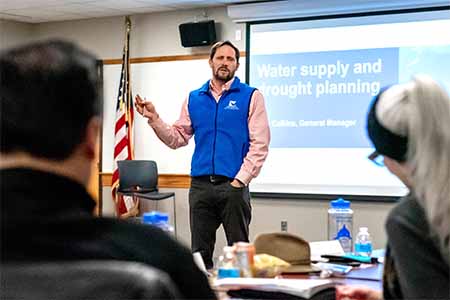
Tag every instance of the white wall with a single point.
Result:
(15, 33)
(307, 218)
(152, 34)
(157, 35)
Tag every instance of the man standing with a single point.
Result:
(229, 123)
(50, 120)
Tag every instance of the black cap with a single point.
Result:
(385, 141)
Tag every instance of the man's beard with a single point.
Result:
(224, 78)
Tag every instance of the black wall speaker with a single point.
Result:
(197, 34)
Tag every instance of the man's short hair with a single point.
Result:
(221, 44)
(49, 92)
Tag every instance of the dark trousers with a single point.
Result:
(214, 204)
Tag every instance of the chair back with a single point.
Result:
(85, 279)
(141, 174)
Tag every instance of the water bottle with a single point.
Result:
(158, 219)
(340, 223)
(227, 264)
(363, 242)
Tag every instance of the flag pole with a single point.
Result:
(130, 108)
(123, 135)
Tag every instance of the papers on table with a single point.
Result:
(305, 288)
(325, 247)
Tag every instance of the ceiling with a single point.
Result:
(39, 11)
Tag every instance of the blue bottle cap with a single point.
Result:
(155, 217)
(340, 203)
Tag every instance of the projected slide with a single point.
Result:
(318, 79)
(321, 98)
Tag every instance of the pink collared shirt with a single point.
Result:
(178, 134)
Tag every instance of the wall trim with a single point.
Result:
(139, 60)
(164, 180)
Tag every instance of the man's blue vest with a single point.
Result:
(220, 129)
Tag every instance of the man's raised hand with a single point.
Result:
(146, 108)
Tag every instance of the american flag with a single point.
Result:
(123, 134)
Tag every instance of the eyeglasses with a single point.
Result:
(377, 158)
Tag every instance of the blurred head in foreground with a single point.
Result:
(50, 108)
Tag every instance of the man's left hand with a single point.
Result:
(237, 184)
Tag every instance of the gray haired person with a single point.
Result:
(409, 125)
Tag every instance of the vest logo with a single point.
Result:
(232, 105)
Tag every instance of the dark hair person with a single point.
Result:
(50, 123)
